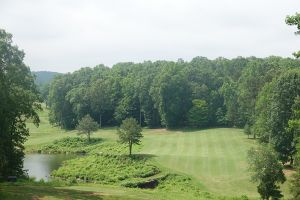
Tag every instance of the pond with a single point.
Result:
(40, 166)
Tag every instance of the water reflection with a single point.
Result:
(40, 166)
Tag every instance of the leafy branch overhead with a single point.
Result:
(294, 20)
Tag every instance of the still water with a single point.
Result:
(40, 166)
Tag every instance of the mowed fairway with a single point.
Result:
(216, 157)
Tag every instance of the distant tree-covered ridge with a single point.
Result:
(42, 80)
(44, 77)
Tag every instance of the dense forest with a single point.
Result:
(255, 93)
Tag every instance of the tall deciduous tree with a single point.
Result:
(130, 132)
(294, 128)
(86, 126)
(19, 102)
(101, 97)
(252, 80)
(172, 95)
(267, 171)
(198, 114)
(275, 106)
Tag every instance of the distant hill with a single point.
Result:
(44, 77)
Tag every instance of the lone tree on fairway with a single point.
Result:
(130, 132)
(267, 171)
(86, 126)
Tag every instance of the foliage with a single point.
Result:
(19, 102)
(251, 82)
(42, 80)
(294, 128)
(130, 132)
(86, 126)
(105, 168)
(197, 115)
(161, 93)
(172, 95)
(101, 97)
(294, 20)
(267, 171)
(247, 130)
(70, 145)
(229, 91)
(275, 105)
(295, 184)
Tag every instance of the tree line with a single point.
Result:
(254, 92)
(261, 95)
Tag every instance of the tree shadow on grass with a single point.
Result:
(138, 157)
(195, 129)
(25, 192)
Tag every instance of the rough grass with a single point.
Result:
(106, 168)
(82, 146)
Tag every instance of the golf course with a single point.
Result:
(149, 100)
(214, 159)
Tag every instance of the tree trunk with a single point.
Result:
(254, 136)
(140, 113)
(100, 121)
(130, 148)
(292, 161)
(89, 137)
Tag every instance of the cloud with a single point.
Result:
(66, 35)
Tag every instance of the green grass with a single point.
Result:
(29, 191)
(45, 133)
(215, 158)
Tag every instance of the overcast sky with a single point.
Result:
(64, 35)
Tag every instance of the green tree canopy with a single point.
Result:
(86, 126)
(130, 132)
(19, 101)
(198, 114)
(294, 20)
(267, 171)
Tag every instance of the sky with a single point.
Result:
(65, 35)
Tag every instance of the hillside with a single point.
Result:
(44, 77)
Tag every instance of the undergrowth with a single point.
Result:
(81, 145)
(106, 168)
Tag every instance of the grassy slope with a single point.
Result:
(216, 157)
